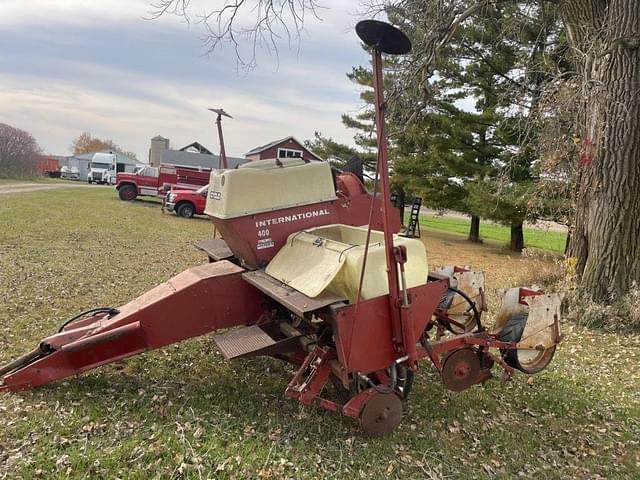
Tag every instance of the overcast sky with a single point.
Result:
(68, 66)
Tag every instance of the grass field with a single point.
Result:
(540, 238)
(185, 412)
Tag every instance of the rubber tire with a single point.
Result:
(185, 210)
(512, 332)
(89, 182)
(445, 303)
(125, 190)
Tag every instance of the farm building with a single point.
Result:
(197, 155)
(287, 147)
(193, 155)
(159, 144)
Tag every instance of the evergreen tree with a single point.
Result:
(477, 160)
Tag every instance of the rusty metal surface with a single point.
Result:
(534, 361)
(472, 283)
(242, 341)
(216, 248)
(381, 414)
(544, 314)
(461, 369)
(21, 361)
(311, 378)
(295, 301)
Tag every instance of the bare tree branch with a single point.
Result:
(245, 25)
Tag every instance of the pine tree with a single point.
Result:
(479, 162)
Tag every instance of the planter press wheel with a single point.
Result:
(525, 360)
(461, 369)
(381, 414)
(466, 321)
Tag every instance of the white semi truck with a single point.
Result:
(102, 168)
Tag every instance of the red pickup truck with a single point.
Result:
(187, 203)
(156, 181)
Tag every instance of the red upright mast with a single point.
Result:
(385, 38)
(222, 162)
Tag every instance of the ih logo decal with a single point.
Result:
(292, 218)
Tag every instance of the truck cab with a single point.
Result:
(101, 166)
(157, 181)
(187, 203)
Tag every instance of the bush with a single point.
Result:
(621, 315)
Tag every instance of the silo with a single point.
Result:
(159, 144)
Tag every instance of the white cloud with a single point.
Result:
(61, 111)
(57, 98)
(70, 12)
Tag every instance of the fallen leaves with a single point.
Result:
(183, 412)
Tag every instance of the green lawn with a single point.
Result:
(185, 412)
(533, 237)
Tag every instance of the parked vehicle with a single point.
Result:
(102, 165)
(187, 203)
(49, 167)
(69, 173)
(111, 177)
(157, 181)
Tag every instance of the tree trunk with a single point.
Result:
(517, 237)
(474, 230)
(606, 239)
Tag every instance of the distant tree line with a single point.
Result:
(86, 143)
(19, 152)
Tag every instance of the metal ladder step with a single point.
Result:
(240, 342)
(217, 249)
(413, 229)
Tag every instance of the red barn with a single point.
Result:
(287, 147)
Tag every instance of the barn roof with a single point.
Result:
(189, 159)
(196, 146)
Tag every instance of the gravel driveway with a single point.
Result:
(35, 187)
